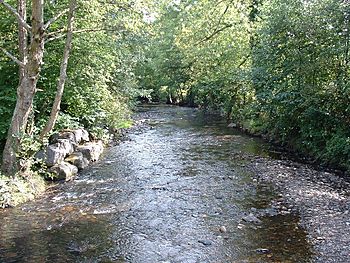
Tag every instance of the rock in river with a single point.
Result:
(78, 160)
(205, 242)
(91, 150)
(55, 153)
(63, 171)
(251, 219)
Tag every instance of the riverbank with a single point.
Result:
(293, 150)
(321, 198)
(32, 184)
(67, 152)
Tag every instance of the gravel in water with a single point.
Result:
(320, 198)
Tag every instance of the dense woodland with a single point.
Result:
(274, 67)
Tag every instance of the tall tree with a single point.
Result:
(30, 69)
(63, 73)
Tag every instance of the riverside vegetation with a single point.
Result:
(275, 67)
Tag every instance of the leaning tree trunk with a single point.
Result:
(26, 89)
(63, 73)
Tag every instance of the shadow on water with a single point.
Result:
(177, 192)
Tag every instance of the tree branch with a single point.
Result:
(15, 13)
(214, 33)
(54, 19)
(75, 32)
(243, 61)
(19, 63)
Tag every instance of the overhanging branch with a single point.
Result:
(15, 13)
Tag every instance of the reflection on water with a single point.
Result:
(177, 192)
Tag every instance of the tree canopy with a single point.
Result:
(275, 67)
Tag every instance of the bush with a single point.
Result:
(14, 191)
(338, 150)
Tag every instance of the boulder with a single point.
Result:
(91, 150)
(251, 218)
(78, 160)
(85, 136)
(78, 134)
(55, 153)
(69, 135)
(66, 145)
(63, 171)
(51, 155)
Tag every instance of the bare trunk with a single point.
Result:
(26, 89)
(63, 73)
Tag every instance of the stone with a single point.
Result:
(67, 146)
(91, 150)
(63, 135)
(78, 134)
(55, 153)
(262, 250)
(205, 242)
(52, 155)
(223, 229)
(63, 171)
(78, 160)
(232, 125)
(85, 136)
(251, 219)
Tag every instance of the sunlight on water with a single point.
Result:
(177, 191)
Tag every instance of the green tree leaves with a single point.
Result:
(279, 67)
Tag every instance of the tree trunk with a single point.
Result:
(63, 73)
(26, 89)
(22, 36)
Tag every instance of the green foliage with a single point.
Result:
(8, 70)
(300, 72)
(277, 67)
(101, 81)
(338, 150)
(66, 121)
(14, 191)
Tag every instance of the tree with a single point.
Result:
(30, 68)
(100, 101)
(63, 73)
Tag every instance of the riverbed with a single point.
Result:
(184, 188)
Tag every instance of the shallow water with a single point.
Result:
(176, 192)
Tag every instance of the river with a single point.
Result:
(178, 190)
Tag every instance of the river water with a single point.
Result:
(176, 191)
